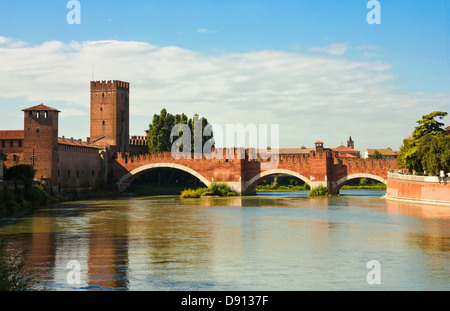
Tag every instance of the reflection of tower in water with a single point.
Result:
(108, 252)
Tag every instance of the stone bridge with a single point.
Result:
(242, 170)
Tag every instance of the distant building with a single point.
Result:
(387, 153)
(347, 152)
(340, 152)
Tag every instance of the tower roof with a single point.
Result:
(41, 107)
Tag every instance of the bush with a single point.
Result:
(21, 172)
(12, 270)
(188, 193)
(219, 189)
(318, 191)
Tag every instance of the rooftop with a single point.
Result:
(41, 107)
(387, 151)
(342, 148)
(12, 134)
(74, 142)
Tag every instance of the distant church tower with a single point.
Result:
(351, 143)
(40, 143)
(110, 114)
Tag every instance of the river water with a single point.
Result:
(272, 241)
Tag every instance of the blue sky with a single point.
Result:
(406, 57)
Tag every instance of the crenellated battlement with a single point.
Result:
(138, 141)
(97, 86)
(365, 162)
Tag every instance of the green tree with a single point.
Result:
(434, 152)
(21, 172)
(428, 125)
(159, 137)
(413, 148)
(202, 123)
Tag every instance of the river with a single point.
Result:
(279, 241)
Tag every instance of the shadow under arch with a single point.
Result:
(341, 182)
(126, 180)
(252, 183)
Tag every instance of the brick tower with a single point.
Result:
(110, 114)
(40, 143)
(351, 143)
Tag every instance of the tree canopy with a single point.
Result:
(428, 148)
(159, 138)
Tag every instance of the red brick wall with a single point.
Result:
(349, 166)
(215, 169)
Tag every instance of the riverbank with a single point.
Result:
(346, 187)
(15, 203)
(418, 189)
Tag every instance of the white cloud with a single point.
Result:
(311, 97)
(332, 49)
(11, 43)
(204, 30)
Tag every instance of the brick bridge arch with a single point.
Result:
(252, 183)
(126, 180)
(341, 182)
(243, 173)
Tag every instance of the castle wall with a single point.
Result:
(138, 145)
(79, 167)
(11, 143)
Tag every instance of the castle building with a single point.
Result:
(62, 163)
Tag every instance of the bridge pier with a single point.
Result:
(236, 186)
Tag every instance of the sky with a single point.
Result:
(317, 68)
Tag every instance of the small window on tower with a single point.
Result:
(37, 131)
(103, 122)
(46, 115)
(30, 114)
(101, 109)
(38, 114)
(103, 95)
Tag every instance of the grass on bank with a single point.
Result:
(215, 189)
